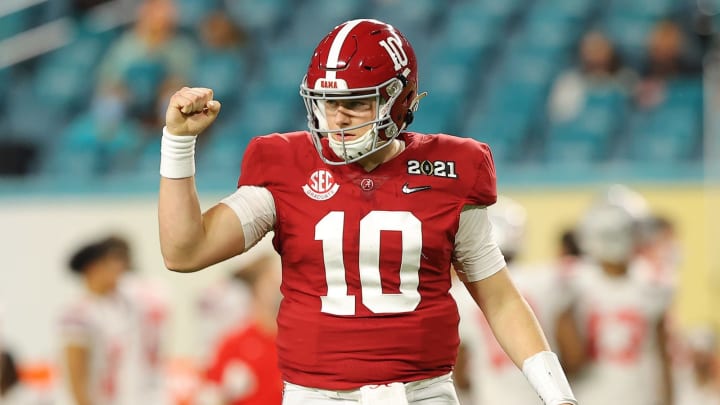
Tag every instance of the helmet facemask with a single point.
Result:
(382, 129)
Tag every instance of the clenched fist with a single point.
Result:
(191, 110)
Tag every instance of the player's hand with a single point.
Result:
(191, 110)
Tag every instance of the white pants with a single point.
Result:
(432, 391)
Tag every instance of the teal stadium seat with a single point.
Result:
(83, 149)
(285, 67)
(505, 133)
(447, 85)
(261, 17)
(15, 23)
(669, 134)
(223, 151)
(191, 13)
(414, 18)
(468, 38)
(313, 19)
(588, 137)
(64, 79)
(225, 72)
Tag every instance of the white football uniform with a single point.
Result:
(122, 333)
(618, 317)
(495, 380)
(221, 308)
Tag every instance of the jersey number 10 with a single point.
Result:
(330, 231)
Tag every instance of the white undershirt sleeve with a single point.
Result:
(476, 255)
(255, 208)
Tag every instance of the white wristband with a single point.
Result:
(545, 374)
(177, 155)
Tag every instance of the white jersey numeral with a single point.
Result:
(330, 231)
(394, 48)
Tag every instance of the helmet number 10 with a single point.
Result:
(394, 48)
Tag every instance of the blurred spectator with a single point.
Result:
(244, 369)
(145, 60)
(223, 63)
(109, 333)
(600, 68)
(666, 60)
(698, 377)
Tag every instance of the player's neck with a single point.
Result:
(383, 155)
(615, 270)
(98, 288)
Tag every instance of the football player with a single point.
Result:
(368, 218)
(613, 337)
(243, 368)
(111, 333)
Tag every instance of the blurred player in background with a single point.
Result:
(13, 391)
(490, 373)
(613, 338)
(111, 334)
(368, 219)
(698, 374)
(222, 307)
(243, 370)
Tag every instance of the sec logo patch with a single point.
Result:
(321, 185)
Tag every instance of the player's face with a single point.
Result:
(348, 113)
(110, 269)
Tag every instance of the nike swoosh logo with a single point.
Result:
(409, 190)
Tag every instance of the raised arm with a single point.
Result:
(189, 239)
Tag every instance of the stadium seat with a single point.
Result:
(314, 19)
(193, 12)
(504, 131)
(224, 72)
(668, 133)
(501, 8)
(83, 149)
(285, 67)
(260, 17)
(447, 85)
(15, 23)
(65, 78)
(223, 150)
(407, 15)
(465, 37)
(589, 135)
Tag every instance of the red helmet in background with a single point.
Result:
(360, 59)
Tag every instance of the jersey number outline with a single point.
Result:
(330, 230)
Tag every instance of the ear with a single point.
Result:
(409, 117)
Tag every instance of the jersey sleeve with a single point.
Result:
(484, 190)
(75, 327)
(256, 164)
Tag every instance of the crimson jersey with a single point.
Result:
(245, 365)
(366, 256)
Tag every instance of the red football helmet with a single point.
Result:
(360, 59)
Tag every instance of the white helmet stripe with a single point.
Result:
(337, 46)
